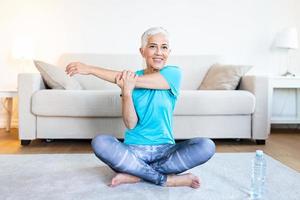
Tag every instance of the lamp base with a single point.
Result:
(288, 74)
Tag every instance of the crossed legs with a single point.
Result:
(161, 170)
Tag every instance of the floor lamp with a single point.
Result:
(287, 39)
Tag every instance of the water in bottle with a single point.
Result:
(258, 176)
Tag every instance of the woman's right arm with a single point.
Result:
(81, 68)
(126, 82)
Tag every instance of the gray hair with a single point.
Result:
(153, 31)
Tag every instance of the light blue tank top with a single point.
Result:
(154, 109)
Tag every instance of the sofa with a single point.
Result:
(46, 113)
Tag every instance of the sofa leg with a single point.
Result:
(261, 142)
(49, 140)
(25, 142)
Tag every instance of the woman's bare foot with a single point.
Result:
(121, 178)
(188, 179)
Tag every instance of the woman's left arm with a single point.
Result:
(152, 81)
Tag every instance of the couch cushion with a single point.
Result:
(223, 77)
(97, 103)
(55, 77)
(77, 103)
(215, 102)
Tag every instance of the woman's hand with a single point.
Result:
(126, 81)
(119, 80)
(77, 68)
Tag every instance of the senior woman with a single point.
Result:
(149, 151)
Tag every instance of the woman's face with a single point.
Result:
(156, 52)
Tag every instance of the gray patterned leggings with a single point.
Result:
(152, 163)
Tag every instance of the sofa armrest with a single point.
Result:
(259, 86)
(27, 85)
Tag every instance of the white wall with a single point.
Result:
(242, 31)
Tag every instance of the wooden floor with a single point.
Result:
(282, 145)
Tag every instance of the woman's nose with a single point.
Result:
(158, 51)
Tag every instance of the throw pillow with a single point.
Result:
(223, 77)
(55, 77)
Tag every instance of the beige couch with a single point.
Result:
(56, 114)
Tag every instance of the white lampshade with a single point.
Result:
(288, 39)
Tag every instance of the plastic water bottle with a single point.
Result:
(258, 176)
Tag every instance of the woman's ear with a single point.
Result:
(142, 51)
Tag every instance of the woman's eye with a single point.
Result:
(152, 47)
(165, 47)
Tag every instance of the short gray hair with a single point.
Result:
(153, 31)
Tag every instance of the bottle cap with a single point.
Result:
(259, 153)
